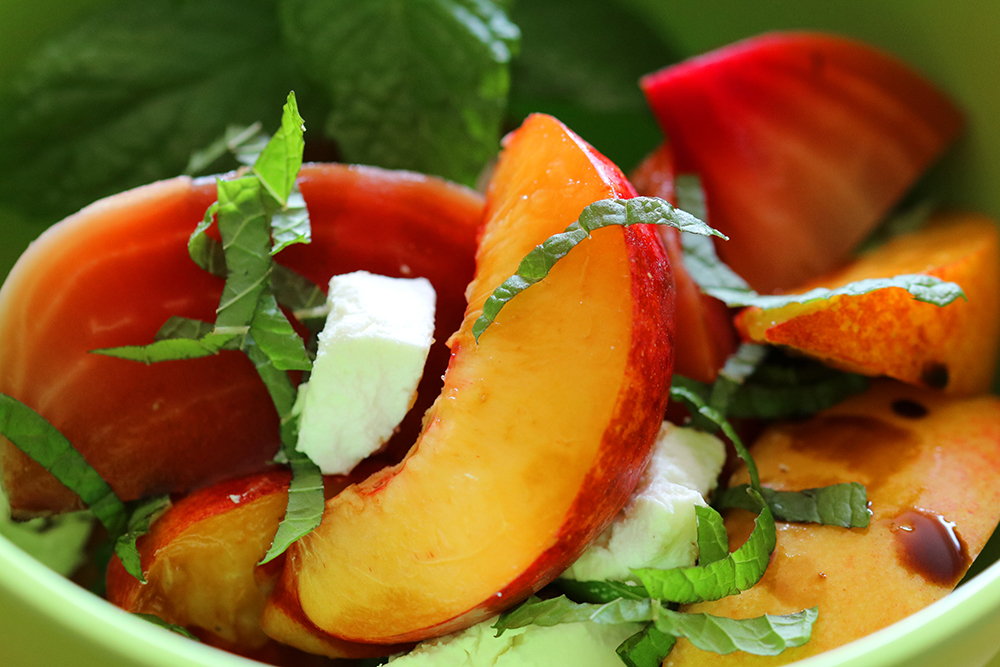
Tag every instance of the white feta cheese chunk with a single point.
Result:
(657, 527)
(370, 358)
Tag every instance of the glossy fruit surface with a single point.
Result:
(803, 143)
(887, 332)
(704, 336)
(931, 466)
(536, 441)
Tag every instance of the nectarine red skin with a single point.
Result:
(200, 561)
(803, 142)
(113, 274)
(539, 436)
(704, 334)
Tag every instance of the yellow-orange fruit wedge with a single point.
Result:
(887, 332)
(931, 465)
(539, 435)
(200, 563)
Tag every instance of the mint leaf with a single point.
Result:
(717, 280)
(759, 382)
(36, 437)
(303, 297)
(734, 373)
(690, 195)
(245, 227)
(238, 141)
(603, 213)
(278, 164)
(759, 400)
(304, 511)
(713, 542)
(142, 517)
(558, 610)
(763, 635)
(274, 334)
(123, 97)
(601, 591)
(305, 505)
(291, 224)
(690, 393)
(174, 348)
(205, 251)
(735, 573)
(646, 648)
(844, 505)
(248, 316)
(156, 620)
(419, 85)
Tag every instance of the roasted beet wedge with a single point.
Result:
(112, 274)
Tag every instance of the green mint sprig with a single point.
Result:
(844, 505)
(716, 279)
(40, 440)
(248, 317)
(763, 635)
(602, 213)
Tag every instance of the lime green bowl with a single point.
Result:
(45, 620)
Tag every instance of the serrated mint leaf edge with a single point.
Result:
(603, 213)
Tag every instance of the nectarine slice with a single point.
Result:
(539, 436)
(803, 142)
(112, 274)
(704, 336)
(200, 561)
(887, 332)
(931, 465)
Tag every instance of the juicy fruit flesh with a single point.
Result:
(916, 451)
(952, 347)
(526, 454)
(510, 507)
(200, 561)
(178, 595)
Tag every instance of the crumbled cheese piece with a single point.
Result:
(370, 358)
(658, 527)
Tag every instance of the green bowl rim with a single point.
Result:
(75, 609)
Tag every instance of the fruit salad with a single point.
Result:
(672, 416)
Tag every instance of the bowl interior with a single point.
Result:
(46, 618)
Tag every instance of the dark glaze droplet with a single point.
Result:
(904, 407)
(928, 545)
(935, 375)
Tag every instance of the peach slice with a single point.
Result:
(113, 273)
(887, 332)
(704, 336)
(931, 465)
(200, 562)
(538, 437)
